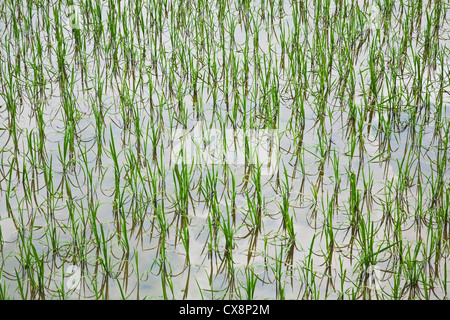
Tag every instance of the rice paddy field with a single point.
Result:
(267, 149)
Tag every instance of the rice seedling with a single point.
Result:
(356, 170)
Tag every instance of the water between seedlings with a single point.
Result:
(207, 274)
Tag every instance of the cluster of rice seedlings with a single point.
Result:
(101, 198)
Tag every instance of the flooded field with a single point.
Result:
(178, 149)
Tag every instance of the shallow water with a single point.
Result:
(153, 215)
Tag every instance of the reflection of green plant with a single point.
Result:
(375, 17)
(359, 94)
(74, 17)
